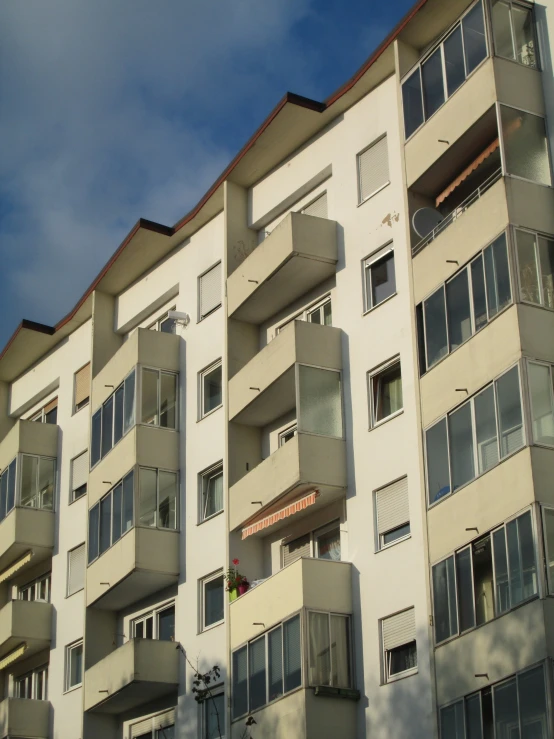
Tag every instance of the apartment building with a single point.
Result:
(334, 376)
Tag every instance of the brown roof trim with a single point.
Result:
(288, 98)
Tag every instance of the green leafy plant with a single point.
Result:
(234, 578)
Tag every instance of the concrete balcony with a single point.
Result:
(302, 464)
(142, 562)
(22, 717)
(26, 531)
(306, 583)
(29, 437)
(26, 625)
(299, 253)
(140, 671)
(266, 387)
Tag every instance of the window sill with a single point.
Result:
(70, 595)
(203, 318)
(210, 518)
(206, 415)
(211, 627)
(72, 689)
(374, 307)
(386, 420)
(76, 500)
(393, 543)
(401, 676)
(373, 194)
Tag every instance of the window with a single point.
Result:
(157, 624)
(210, 389)
(317, 207)
(161, 726)
(33, 685)
(319, 401)
(111, 517)
(38, 477)
(113, 419)
(288, 434)
(512, 25)
(399, 645)
(74, 665)
(535, 256)
(76, 569)
(79, 476)
(323, 543)
(319, 312)
(211, 601)
(213, 717)
(38, 589)
(475, 436)
(542, 402)
(465, 304)
(211, 492)
(379, 277)
(329, 650)
(525, 145)
(485, 579)
(159, 398)
(47, 414)
(164, 323)
(385, 392)
(548, 533)
(267, 667)
(209, 291)
(373, 169)
(444, 69)
(81, 390)
(508, 710)
(158, 492)
(7, 488)
(392, 513)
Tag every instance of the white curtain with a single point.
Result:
(340, 652)
(320, 655)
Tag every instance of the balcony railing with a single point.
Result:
(457, 212)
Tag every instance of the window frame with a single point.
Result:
(380, 544)
(372, 376)
(359, 155)
(304, 314)
(32, 675)
(500, 129)
(156, 324)
(136, 510)
(351, 665)
(69, 649)
(538, 235)
(134, 472)
(203, 479)
(139, 397)
(496, 613)
(202, 316)
(72, 491)
(34, 585)
(287, 434)
(201, 377)
(550, 367)
(100, 410)
(85, 402)
(386, 654)
(153, 613)
(471, 400)
(68, 573)
(203, 581)
(528, 7)
(215, 692)
(334, 523)
(439, 44)
(549, 580)
(39, 416)
(368, 263)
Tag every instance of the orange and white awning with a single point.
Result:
(289, 510)
(467, 171)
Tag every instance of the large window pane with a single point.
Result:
(473, 717)
(275, 667)
(319, 664)
(240, 682)
(438, 474)
(211, 390)
(93, 520)
(29, 481)
(435, 327)
(105, 522)
(452, 721)
(3, 494)
(11, 485)
(460, 434)
(413, 104)
(532, 704)
(386, 388)
(464, 578)
(116, 517)
(549, 546)
(521, 554)
(546, 256)
(444, 600)
(129, 402)
(459, 312)
(454, 61)
(485, 429)
(212, 494)
(497, 276)
(46, 480)
(149, 394)
(380, 280)
(522, 23)
(506, 718)
(257, 673)
(483, 579)
(509, 412)
(147, 497)
(213, 601)
(475, 42)
(214, 708)
(340, 652)
(502, 600)
(167, 509)
(107, 426)
(96, 434)
(166, 624)
(478, 293)
(118, 415)
(525, 145)
(502, 29)
(168, 400)
(320, 409)
(292, 653)
(433, 85)
(542, 410)
(528, 266)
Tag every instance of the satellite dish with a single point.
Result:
(425, 220)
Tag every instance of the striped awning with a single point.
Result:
(467, 171)
(289, 510)
(12, 656)
(10, 571)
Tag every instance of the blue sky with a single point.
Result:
(112, 111)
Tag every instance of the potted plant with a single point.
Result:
(237, 584)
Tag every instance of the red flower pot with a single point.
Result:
(243, 587)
